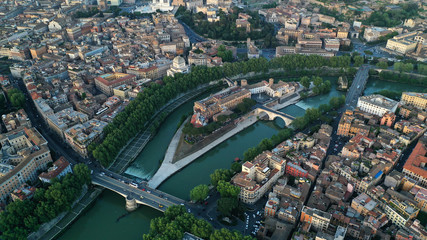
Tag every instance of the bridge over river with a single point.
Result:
(136, 193)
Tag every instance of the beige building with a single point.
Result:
(64, 119)
(400, 212)
(405, 43)
(106, 82)
(24, 152)
(258, 176)
(418, 100)
(81, 135)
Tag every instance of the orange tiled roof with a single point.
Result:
(417, 157)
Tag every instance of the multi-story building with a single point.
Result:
(270, 88)
(405, 43)
(420, 196)
(23, 192)
(331, 44)
(415, 165)
(271, 206)
(59, 169)
(197, 59)
(376, 104)
(363, 204)
(150, 72)
(258, 176)
(14, 120)
(105, 83)
(319, 220)
(388, 119)
(81, 135)
(226, 99)
(345, 123)
(418, 100)
(400, 212)
(296, 170)
(24, 153)
(37, 51)
(64, 119)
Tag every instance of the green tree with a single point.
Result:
(16, 97)
(227, 190)
(82, 173)
(226, 205)
(358, 61)
(382, 65)
(199, 193)
(220, 175)
(305, 81)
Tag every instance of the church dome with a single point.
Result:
(178, 61)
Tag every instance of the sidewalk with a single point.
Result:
(167, 169)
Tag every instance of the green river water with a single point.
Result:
(100, 221)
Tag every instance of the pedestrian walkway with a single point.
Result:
(168, 168)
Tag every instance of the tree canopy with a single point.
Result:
(199, 193)
(177, 221)
(16, 98)
(23, 217)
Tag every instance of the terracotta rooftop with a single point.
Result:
(417, 159)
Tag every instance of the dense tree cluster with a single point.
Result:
(86, 14)
(177, 221)
(268, 144)
(226, 55)
(16, 98)
(221, 175)
(23, 217)
(226, 28)
(141, 110)
(320, 86)
(314, 114)
(399, 77)
(358, 61)
(199, 193)
(382, 65)
(390, 94)
(391, 18)
(403, 67)
(422, 68)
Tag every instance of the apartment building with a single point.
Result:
(319, 220)
(24, 152)
(59, 169)
(14, 120)
(258, 176)
(418, 100)
(376, 104)
(64, 119)
(405, 43)
(416, 163)
(81, 135)
(363, 204)
(107, 82)
(400, 212)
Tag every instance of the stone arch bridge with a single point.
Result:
(273, 114)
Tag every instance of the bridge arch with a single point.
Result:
(272, 114)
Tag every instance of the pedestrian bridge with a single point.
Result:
(273, 114)
(134, 196)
